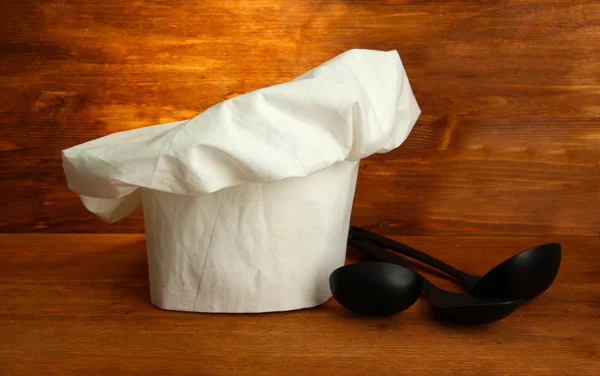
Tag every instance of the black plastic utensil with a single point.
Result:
(452, 306)
(375, 288)
(526, 275)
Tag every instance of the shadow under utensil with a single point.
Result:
(332, 306)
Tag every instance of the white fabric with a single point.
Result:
(247, 205)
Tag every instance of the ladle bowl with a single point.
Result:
(374, 288)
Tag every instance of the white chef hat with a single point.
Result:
(247, 205)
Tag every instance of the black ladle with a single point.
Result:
(375, 288)
(452, 306)
(526, 275)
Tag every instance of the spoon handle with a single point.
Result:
(406, 250)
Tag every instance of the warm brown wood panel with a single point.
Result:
(508, 143)
(79, 305)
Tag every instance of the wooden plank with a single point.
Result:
(79, 304)
(508, 142)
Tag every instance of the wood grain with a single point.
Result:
(79, 305)
(508, 143)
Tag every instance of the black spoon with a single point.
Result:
(526, 275)
(375, 288)
(452, 306)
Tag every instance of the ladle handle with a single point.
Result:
(409, 251)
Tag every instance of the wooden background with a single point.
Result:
(508, 143)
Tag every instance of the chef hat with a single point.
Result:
(247, 205)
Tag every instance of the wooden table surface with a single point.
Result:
(79, 305)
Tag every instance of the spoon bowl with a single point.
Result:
(375, 288)
(527, 274)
